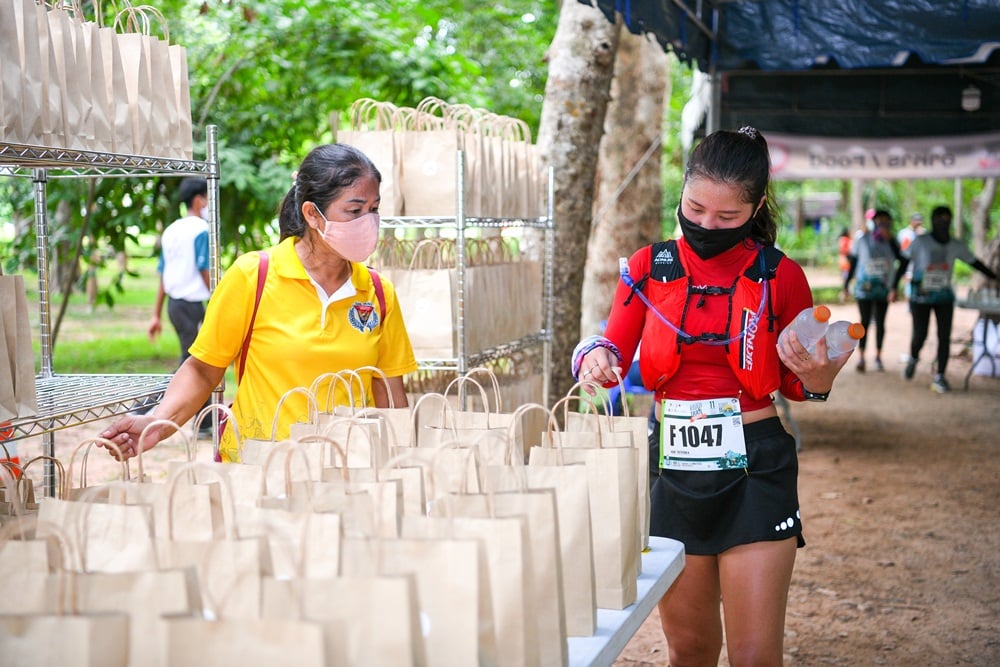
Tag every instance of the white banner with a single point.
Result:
(961, 156)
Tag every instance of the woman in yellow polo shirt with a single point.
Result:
(319, 311)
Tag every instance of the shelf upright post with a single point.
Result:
(212, 176)
(549, 281)
(214, 247)
(460, 270)
(40, 181)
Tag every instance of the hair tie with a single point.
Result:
(749, 131)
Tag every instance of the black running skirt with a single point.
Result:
(711, 511)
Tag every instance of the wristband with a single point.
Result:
(586, 345)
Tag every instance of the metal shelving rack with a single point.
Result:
(465, 360)
(69, 400)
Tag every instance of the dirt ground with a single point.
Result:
(899, 496)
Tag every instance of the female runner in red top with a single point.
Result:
(708, 309)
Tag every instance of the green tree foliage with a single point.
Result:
(268, 75)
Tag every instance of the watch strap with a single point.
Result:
(814, 396)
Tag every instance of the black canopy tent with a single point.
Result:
(834, 73)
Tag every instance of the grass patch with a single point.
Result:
(105, 339)
(826, 294)
(120, 354)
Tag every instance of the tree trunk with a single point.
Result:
(981, 222)
(857, 204)
(581, 64)
(628, 210)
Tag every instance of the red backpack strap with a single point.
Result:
(379, 292)
(261, 278)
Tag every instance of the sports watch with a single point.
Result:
(815, 396)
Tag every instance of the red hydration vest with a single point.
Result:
(752, 356)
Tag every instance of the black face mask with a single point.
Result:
(941, 231)
(707, 243)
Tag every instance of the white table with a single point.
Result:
(989, 310)
(660, 566)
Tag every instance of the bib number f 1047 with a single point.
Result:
(702, 435)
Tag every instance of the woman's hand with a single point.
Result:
(599, 366)
(127, 431)
(816, 371)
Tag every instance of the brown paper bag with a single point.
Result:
(109, 537)
(10, 72)
(245, 641)
(611, 473)
(507, 551)
(380, 614)
(101, 114)
(23, 75)
(229, 569)
(449, 577)
(51, 629)
(182, 138)
(50, 115)
(429, 147)
(122, 133)
(34, 563)
(547, 602)
(255, 451)
(16, 351)
(144, 597)
(358, 508)
(426, 294)
(377, 617)
(163, 114)
(398, 419)
(571, 488)
(639, 427)
(480, 182)
(18, 492)
(373, 131)
(22, 553)
(138, 90)
(84, 640)
(66, 106)
(247, 482)
(410, 478)
(304, 540)
(197, 504)
(486, 432)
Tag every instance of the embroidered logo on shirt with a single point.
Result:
(363, 316)
(664, 257)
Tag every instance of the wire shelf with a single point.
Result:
(21, 159)
(69, 400)
(403, 222)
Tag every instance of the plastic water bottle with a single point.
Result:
(810, 325)
(842, 337)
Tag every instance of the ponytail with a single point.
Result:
(290, 222)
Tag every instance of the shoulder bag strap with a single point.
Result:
(261, 278)
(379, 292)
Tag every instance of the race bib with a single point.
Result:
(936, 280)
(878, 269)
(702, 435)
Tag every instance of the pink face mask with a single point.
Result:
(354, 240)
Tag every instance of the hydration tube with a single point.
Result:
(627, 279)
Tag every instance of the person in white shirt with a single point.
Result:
(932, 259)
(913, 230)
(183, 268)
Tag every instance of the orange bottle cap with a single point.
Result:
(821, 313)
(856, 331)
